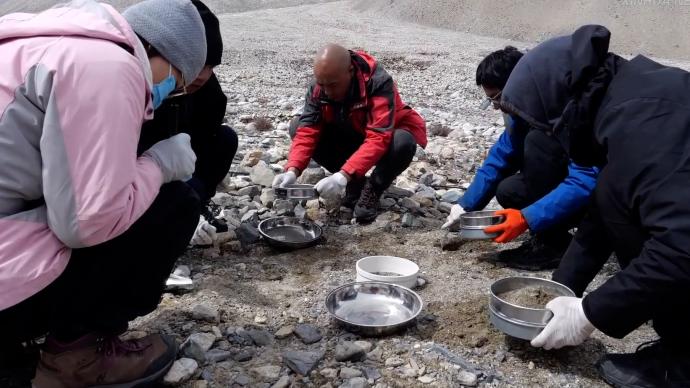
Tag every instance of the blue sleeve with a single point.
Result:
(498, 164)
(571, 196)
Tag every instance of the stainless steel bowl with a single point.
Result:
(290, 232)
(472, 224)
(373, 308)
(296, 191)
(518, 321)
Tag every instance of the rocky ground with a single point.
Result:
(256, 316)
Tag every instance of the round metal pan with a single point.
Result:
(374, 308)
(290, 232)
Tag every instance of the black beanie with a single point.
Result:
(214, 40)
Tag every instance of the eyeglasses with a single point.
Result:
(495, 99)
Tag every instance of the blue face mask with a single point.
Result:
(161, 90)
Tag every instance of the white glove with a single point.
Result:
(455, 212)
(174, 156)
(205, 233)
(568, 327)
(284, 179)
(332, 187)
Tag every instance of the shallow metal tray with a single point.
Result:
(373, 308)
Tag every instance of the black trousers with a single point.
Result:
(106, 286)
(215, 153)
(544, 167)
(337, 145)
(610, 228)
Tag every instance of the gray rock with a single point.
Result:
(445, 207)
(394, 361)
(376, 354)
(300, 212)
(247, 234)
(397, 192)
(241, 380)
(366, 345)
(426, 379)
(261, 337)
(205, 312)
(357, 382)
(283, 382)
(267, 373)
(251, 191)
(312, 176)
(243, 355)
(284, 332)
(386, 203)
(267, 197)
(197, 345)
(307, 333)
(262, 174)
(349, 351)
(467, 379)
(251, 217)
(349, 373)
(217, 355)
(372, 373)
(408, 220)
(182, 270)
(180, 371)
(329, 373)
(283, 207)
(409, 203)
(302, 362)
(451, 196)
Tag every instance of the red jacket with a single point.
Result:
(376, 111)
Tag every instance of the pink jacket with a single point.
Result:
(74, 91)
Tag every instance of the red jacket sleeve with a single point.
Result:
(380, 125)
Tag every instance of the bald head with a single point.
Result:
(333, 71)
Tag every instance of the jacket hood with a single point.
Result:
(85, 18)
(547, 77)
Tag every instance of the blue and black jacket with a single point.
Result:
(503, 160)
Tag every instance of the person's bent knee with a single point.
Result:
(228, 137)
(504, 194)
(404, 143)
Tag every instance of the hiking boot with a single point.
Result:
(97, 361)
(654, 364)
(353, 191)
(367, 207)
(535, 254)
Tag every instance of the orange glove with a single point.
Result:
(514, 225)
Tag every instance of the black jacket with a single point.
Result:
(633, 118)
(198, 114)
(644, 125)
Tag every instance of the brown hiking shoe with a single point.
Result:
(97, 361)
(367, 207)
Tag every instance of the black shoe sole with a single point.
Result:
(616, 383)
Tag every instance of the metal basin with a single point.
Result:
(296, 192)
(472, 224)
(373, 308)
(517, 321)
(290, 232)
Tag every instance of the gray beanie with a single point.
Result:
(174, 28)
